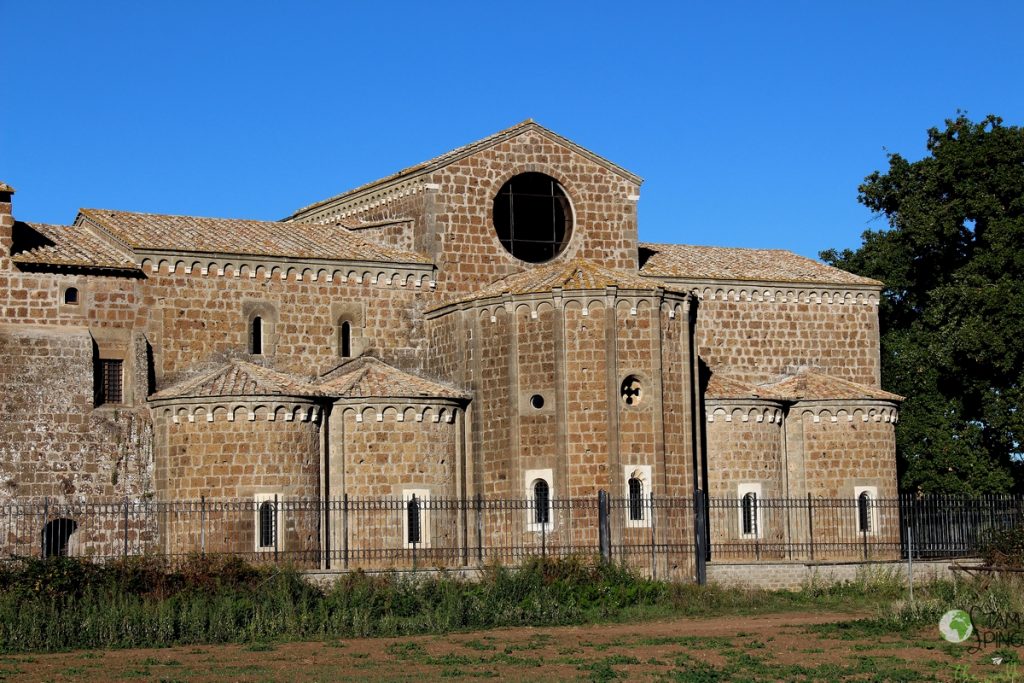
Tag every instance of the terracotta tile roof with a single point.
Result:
(239, 378)
(471, 148)
(815, 386)
(810, 386)
(730, 263)
(367, 377)
(574, 274)
(146, 231)
(4, 187)
(721, 386)
(69, 245)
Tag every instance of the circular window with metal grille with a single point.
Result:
(631, 390)
(533, 217)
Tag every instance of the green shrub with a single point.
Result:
(1004, 548)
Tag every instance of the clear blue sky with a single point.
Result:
(752, 122)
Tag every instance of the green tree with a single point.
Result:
(952, 312)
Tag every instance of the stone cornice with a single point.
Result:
(384, 409)
(586, 298)
(777, 292)
(238, 409)
(744, 410)
(416, 275)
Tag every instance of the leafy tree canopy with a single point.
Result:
(952, 312)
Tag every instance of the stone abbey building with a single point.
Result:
(484, 323)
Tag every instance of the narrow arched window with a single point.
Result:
(541, 502)
(749, 511)
(636, 499)
(864, 512)
(345, 339)
(412, 512)
(71, 296)
(56, 535)
(256, 336)
(267, 525)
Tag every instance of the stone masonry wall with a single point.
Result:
(204, 319)
(53, 443)
(383, 458)
(469, 253)
(756, 341)
(745, 451)
(846, 453)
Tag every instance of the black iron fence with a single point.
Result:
(658, 536)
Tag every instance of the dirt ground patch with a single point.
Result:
(790, 646)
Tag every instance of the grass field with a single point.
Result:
(572, 619)
(789, 646)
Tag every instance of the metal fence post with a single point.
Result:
(910, 561)
(699, 546)
(479, 529)
(344, 530)
(202, 525)
(326, 516)
(810, 524)
(275, 529)
(654, 559)
(42, 537)
(126, 526)
(604, 531)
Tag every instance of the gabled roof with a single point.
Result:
(472, 148)
(193, 234)
(572, 275)
(814, 386)
(721, 386)
(367, 377)
(4, 187)
(67, 245)
(731, 263)
(803, 386)
(239, 378)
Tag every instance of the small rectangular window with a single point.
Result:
(110, 383)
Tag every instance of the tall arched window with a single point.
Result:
(267, 524)
(345, 339)
(864, 512)
(412, 512)
(636, 499)
(749, 512)
(256, 336)
(541, 502)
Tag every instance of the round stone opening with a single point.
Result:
(532, 217)
(631, 390)
(537, 401)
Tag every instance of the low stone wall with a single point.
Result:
(795, 575)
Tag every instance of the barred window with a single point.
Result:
(864, 512)
(749, 505)
(636, 499)
(110, 381)
(541, 502)
(56, 536)
(266, 523)
(412, 511)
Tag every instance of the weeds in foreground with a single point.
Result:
(64, 603)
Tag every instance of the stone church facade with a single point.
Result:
(486, 323)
